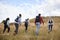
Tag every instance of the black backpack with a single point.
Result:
(37, 18)
(17, 19)
(50, 21)
(5, 22)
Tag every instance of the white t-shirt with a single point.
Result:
(8, 22)
(19, 20)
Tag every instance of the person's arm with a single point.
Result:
(35, 20)
(42, 20)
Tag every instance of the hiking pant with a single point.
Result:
(6, 27)
(50, 27)
(26, 27)
(37, 27)
(16, 26)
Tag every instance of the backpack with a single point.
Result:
(50, 21)
(4, 22)
(17, 19)
(37, 19)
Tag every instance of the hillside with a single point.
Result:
(30, 35)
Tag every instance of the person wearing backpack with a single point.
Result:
(17, 23)
(26, 24)
(50, 25)
(6, 25)
(38, 21)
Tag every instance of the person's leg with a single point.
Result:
(8, 29)
(16, 30)
(37, 28)
(4, 29)
(48, 28)
(51, 27)
(25, 27)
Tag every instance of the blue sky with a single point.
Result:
(28, 8)
(18, 2)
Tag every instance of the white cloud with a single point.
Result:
(52, 7)
(8, 11)
(28, 10)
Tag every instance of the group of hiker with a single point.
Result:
(38, 22)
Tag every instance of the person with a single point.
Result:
(17, 23)
(26, 24)
(38, 21)
(50, 25)
(6, 25)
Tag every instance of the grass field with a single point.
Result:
(30, 35)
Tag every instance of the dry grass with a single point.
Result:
(30, 35)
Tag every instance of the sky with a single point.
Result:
(28, 8)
